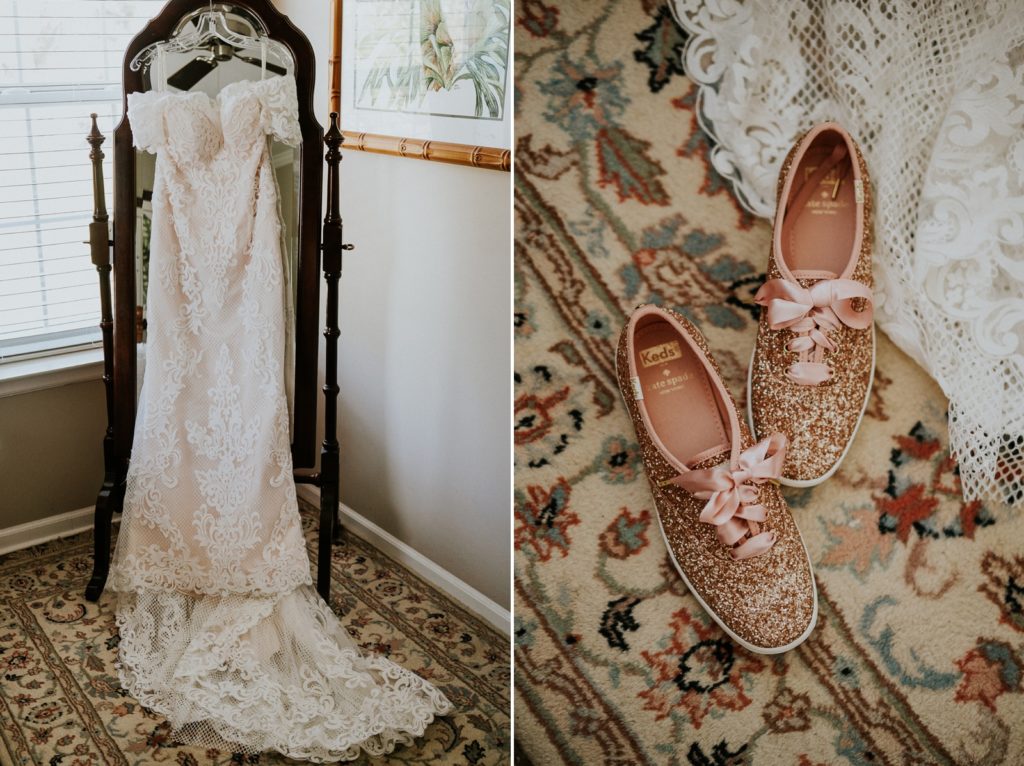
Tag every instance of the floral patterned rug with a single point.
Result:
(919, 652)
(61, 703)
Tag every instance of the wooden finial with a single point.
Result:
(95, 139)
(331, 246)
(333, 137)
(99, 234)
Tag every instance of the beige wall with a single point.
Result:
(425, 349)
(51, 451)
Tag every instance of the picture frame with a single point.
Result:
(425, 79)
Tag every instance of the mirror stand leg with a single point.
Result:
(101, 541)
(328, 521)
(111, 494)
(331, 247)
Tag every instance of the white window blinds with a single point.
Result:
(60, 60)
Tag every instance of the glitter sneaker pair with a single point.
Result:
(715, 480)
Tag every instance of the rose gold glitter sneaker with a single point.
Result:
(724, 520)
(811, 373)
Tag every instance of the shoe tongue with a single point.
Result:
(813, 274)
(709, 457)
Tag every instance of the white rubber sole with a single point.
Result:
(804, 483)
(711, 613)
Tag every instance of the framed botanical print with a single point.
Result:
(428, 79)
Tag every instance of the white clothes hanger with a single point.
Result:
(210, 24)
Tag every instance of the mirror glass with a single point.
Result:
(207, 70)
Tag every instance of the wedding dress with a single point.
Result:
(221, 630)
(934, 93)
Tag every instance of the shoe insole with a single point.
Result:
(820, 223)
(678, 394)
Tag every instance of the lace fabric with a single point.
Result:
(252, 673)
(934, 93)
(221, 629)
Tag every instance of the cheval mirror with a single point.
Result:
(200, 47)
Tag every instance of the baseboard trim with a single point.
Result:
(73, 522)
(455, 588)
(43, 530)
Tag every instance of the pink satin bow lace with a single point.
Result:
(810, 314)
(732, 495)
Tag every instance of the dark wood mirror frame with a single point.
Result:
(120, 369)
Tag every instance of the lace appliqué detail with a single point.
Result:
(239, 678)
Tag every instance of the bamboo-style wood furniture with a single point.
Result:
(118, 309)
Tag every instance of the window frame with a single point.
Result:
(105, 96)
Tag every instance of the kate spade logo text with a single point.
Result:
(660, 354)
(668, 385)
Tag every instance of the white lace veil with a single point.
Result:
(934, 92)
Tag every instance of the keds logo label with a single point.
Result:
(660, 354)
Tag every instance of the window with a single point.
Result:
(60, 60)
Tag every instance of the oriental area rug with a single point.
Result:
(61, 703)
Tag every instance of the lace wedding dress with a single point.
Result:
(934, 92)
(221, 629)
